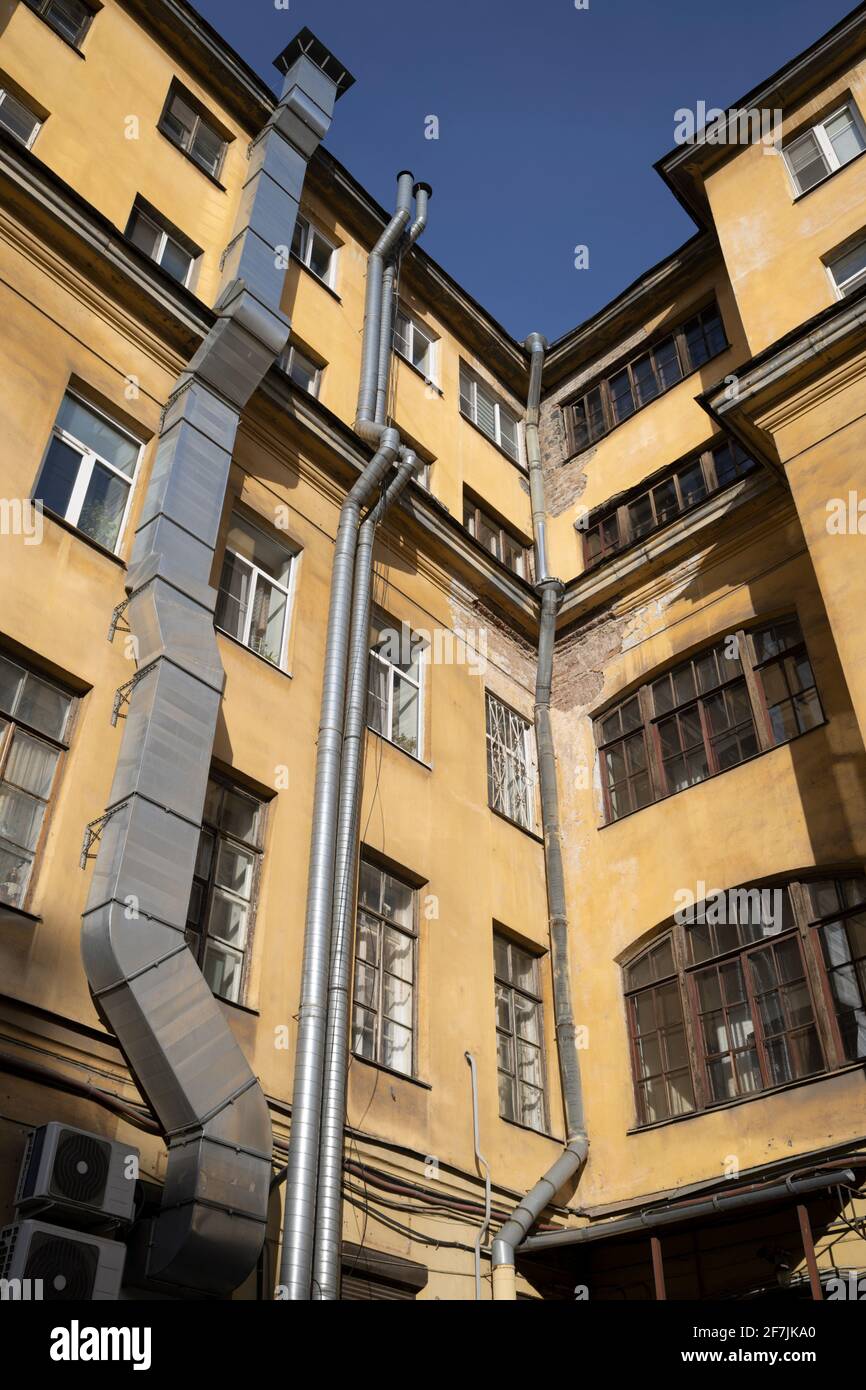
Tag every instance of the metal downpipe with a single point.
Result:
(482, 1163)
(386, 341)
(329, 1215)
(296, 1262)
(573, 1157)
(365, 417)
(423, 192)
(300, 1203)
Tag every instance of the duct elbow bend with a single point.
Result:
(423, 193)
(502, 1252)
(384, 438)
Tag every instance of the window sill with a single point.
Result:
(827, 177)
(761, 753)
(211, 178)
(428, 381)
(413, 757)
(313, 276)
(9, 910)
(627, 547)
(271, 665)
(515, 463)
(238, 1006)
(391, 1071)
(524, 829)
(722, 1105)
(83, 536)
(528, 1129)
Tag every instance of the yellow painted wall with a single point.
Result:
(773, 239)
(799, 805)
(795, 807)
(656, 436)
(98, 101)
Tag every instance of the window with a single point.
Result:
(185, 125)
(314, 249)
(394, 703)
(787, 682)
(170, 249)
(497, 538)
(222, 902)
(837, 910)
(623, 755)
(302, 369)
(510, 770)
(383, 1008)
(677, 490)
(660, 1058)
(746, 695)
(617, 397)
(88, 472)
(761, 985)
(34, 723)
(847, 268)
(18, 119)
(825, 148)
(519, 1035)
(255, 590)
(416, 343)
(69, 18)
(479, 404)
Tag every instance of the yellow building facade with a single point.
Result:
(699, 441)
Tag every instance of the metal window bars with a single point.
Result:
(510, 769)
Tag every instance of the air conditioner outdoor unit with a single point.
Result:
(39, 1262)
(89, 1178)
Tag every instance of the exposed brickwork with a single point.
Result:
(581, 658)
(565, 478)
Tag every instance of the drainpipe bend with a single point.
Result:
(550, 591)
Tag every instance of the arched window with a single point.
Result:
(749, 989)
(745, 695)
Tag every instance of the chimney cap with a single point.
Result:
(306, 44)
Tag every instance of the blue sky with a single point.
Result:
(550, 119)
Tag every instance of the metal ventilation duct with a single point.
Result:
(330, 803)
(145, 982)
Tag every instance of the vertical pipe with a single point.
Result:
(365, 419)
(386, 340)
(482, 1163)
(372, 396)
(329, 1207)
(809, 1252)
(577, 1144)
(296, 1262)
(423, 193)
(300, 1206)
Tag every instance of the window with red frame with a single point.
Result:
(642, 511)
(743, 696)
(755, 988)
